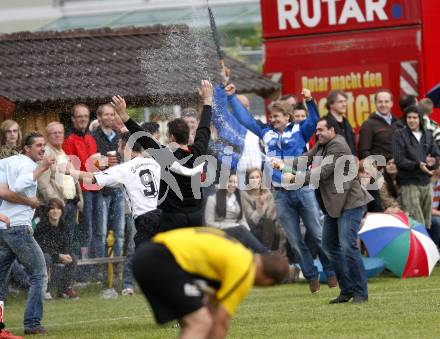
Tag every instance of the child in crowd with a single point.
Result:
(53, 238)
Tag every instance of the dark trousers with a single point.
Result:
(147, 226)
(339, 239)
(171, 221)
(60, 277)
(267, 232)
(434, 231)
(243, 235)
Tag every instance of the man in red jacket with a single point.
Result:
(80, 146)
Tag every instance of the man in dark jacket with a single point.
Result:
(337, 108)
(184, 209)
(376, 133)
(111, 200)
(343, 201)
(416, 155)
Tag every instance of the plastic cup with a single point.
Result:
(112, 158)
(84, 252)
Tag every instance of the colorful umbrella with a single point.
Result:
(402, 242)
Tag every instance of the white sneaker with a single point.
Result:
(127, 291)
(109, 293)
(47, 296)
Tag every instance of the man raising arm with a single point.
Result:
(180, 208)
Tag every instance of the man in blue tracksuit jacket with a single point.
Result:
(285, 139)
(229, 130)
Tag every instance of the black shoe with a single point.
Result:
(35, 330)
(359, 300)
(314, 286)
(341, 299)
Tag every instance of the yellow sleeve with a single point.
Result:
(235, 287)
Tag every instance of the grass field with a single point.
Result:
(397, 308)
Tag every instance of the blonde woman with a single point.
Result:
(10, 138)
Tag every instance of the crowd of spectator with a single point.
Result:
(401, 179)
(73, 218)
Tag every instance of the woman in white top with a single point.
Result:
(224, 210)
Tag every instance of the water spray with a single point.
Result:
(216, 37)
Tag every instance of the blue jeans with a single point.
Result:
(89, 217)
(18, 242)
(130, 231)
(18, 276)
(434, 231)
(339, 239)
(111, 207)
(69, 217)
(290, 206)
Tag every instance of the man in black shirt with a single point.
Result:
(337, 108)
(180, 208)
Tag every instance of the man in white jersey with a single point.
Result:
(140, 179)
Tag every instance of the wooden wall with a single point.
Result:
(35, 121)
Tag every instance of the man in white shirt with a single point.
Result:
(17, 241)
(139, 179)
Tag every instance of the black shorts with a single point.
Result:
(147, 226)
(171, 221)
(170, 290)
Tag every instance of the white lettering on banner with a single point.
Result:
(331, 11)
(297, 12)
(374, 6)
(351, 10)
(305, 15)
(287, 12)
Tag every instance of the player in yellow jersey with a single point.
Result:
(200, 275)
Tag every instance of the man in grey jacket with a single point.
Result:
(343, 201)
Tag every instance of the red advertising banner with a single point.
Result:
(358, 63)
(301, 17)
(359, 83)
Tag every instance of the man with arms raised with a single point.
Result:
(180, 207)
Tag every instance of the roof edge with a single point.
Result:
(98, 32)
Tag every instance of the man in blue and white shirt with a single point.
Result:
(285, 139)
(16, 240)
